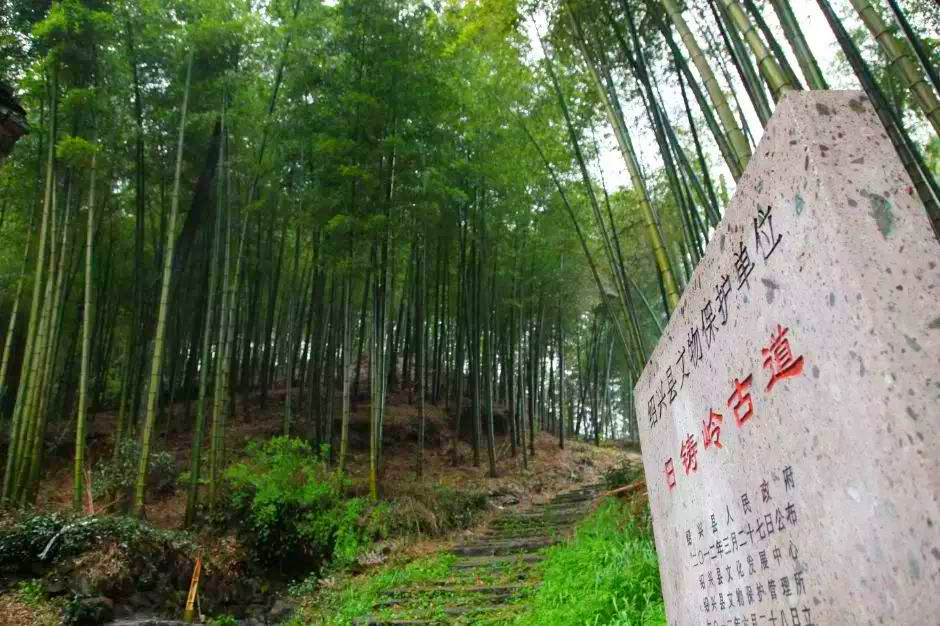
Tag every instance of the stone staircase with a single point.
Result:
(491, 577)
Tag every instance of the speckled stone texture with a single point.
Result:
(797, 403)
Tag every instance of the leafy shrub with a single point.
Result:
(623, 474)
(606, 574)
(292, 509)
(31, 592)
(52, 537)
(113, 479)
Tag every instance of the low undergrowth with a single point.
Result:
(47, 538)
(337, 603)
(606, 574)
(26, 603)
(289, 509)
(625, 472)
(433, 510)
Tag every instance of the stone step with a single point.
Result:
(503, 547)
(458, 611)
(498, 597)
(541, 515)
(553, 507)
(509, 534)
(474, 562)
(512, 542)
(579, 493)
(373, 620)
(574, 496)
(453, 588)
(534, 519)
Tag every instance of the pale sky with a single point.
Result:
(824, 47)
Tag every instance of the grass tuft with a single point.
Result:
(606, 574)
(338, 606)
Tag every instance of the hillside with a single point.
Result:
(116, 573)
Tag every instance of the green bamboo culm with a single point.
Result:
(18, 421)
(772, 42)
(907, 150)
(153, 391)
(81, 417)
(769, 67)
(900, 61)
(794, 34)
(584, 248)
(741, 59)
(663, 262)
(920, 50)
(720, 103)
(11, 327)
(195, 462)
(215, 436)
(727, 152)
(36, 397)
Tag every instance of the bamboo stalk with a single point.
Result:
(900, 61)
(153, 390)
(735, 135)
(769, 67)
(80, 419)
(794, 34)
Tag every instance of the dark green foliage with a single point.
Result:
(606, 574)
(23, 542)
(113, 479)
(623, 474)
(290, 507)
(31, 592)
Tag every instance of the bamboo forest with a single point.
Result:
(338, 311)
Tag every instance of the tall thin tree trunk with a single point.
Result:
(79, 465)
(489, 363)
(907, 150)
(195, 460)
(347, 374)
(794, 34)
(158, 346)
(900, 61)
(716, 95)
(769, 68)
(420, 356)
(561, 382)
(18, 422)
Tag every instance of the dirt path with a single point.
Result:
(492, 575)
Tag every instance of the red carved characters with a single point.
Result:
(689, 454)
(670, 474)
(712, 430)
(779, 359)
(740, 398)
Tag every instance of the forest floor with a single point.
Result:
(485, 577)
(113, 569)
(575, 559)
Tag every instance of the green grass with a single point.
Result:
(354, 597)
(606, 574)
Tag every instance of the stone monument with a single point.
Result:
(790, 414)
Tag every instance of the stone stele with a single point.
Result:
(789, 415)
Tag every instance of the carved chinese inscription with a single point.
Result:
(790, 414)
